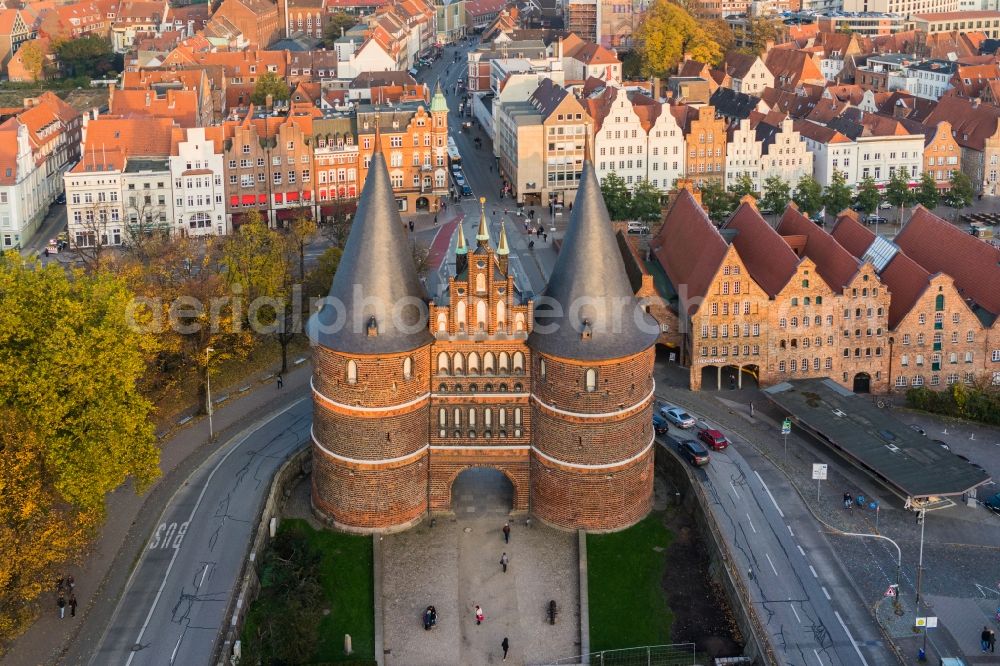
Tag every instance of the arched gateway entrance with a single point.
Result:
(862, 383)
(481, 491)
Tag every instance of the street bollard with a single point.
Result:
(348, 648)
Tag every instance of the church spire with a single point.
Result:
(502, 249)
(461, 251)
(483, 235)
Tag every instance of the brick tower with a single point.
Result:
(591, 463)
(371, 380)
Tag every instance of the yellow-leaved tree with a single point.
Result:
(70, 361)
(666, 34)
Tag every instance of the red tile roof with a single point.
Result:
(833, 263)
(906, 281)
(851, 234)
(972, 122)
(689, 248)
(767, 256)
(940, 247)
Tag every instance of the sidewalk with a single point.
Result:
(104, 569)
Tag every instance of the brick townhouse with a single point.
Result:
(401, 412)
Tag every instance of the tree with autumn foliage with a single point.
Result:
(667, 34)
(73, 424)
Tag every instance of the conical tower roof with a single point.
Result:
(588, 310)
(502, 248)
(438, 101)
(379, 303)
(460, 246)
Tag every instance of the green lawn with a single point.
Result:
(305, 572)
(628, 606)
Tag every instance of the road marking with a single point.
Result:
(204, 572)
(751, 524)
(827, 594)
(815, 575)
(176, 646)
(818, 658)
(790, 530)
(768, 491)
(734, 490)
(768, 556)
(850, 638)
(800, 550)
(795, 612)
(194, 509)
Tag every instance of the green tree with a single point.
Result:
(616, 196)
(761, 31)
(301, 233)
(961, 193)
(808, 195)
(720, 33)
(667, 34)
(645, 204)
(336, 24)
(777, 194)
(868, 196)
(744, 186)
(320, 277)
(927, 195)
(87, 56)
(837, 195)
(718, 201)
(270, 84)
(631, 65)
(897, 190)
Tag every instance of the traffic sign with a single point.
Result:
(927, 622)
(786, 427)
(819, 471)
(892, 591)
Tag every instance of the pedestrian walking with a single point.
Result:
(505, 645)
(411, 226)
(479, 615)
(72, 604)
(751, 409)
(281, 381)
(70, 583)
(60, 583)
(993, 641)
(61, 603)
(545, 237)
(984, 639)
(506, 532)
(504, 561)
(848, 500)
(435, 220)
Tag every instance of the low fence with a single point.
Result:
(678, 654)
(296, 467)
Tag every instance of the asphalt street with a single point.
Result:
(176, 599)
(797, 597)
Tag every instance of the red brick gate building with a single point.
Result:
(555, 394)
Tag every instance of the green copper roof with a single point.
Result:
(438, 102)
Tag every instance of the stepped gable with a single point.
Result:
(940, 247)
(767, 256)
(689, 248)
(833, 263)
(598, 315)
(376, 274)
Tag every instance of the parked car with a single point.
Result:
(61, 198)
(885, 205)
(693, 452)
(993, 503)
(54, 246)
(660, 424)
(677, 416)
(941, 444)
(714, 439)
(918, 429)
(637, 228)
(876, 219)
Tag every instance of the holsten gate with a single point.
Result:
(555, 394)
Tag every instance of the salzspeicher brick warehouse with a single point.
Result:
(409, 393)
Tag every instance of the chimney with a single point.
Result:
(656, 88)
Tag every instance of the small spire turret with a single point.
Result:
(483, 234)
(503, 250)
(461, 252)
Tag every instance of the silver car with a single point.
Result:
(677, 416)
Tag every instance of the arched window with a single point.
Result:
(518, 362)
(502, 416)
(480, 283)
(488, 419)
(408, 367)
(442, 417)
(481, 318)
(519, 322)
(501, 313)
(473, 363)
(489, 363)
(590, 380)
(939, 302)
(460, 315)
(442, 322)
(352, 372)
(541, 368)
(442, 363)
(504, 362)
(457, 415)
(458, 364)
(472, 417)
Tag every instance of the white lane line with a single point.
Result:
(795, 612)
(800, 550)
(827, 594)
(818, 658)
(768, 491)
(850, 638)
(751, 524)
(173, 654)
(194, 510)
(768, 556)
(790, 530)
(734, 490)
(204, 572)
(815, 575)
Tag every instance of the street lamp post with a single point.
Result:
(899, 561)
(920, 560)
(208, 392)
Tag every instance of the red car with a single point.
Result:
(713, 438)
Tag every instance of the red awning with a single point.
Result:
(234, 200)
(249, 199)
(327, 209)
(322, 194)
(262, 198)
(353, 192)
(292, 196)
(279, 197)
(307, 195)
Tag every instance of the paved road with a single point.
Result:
(176, 599)
(791, 591)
